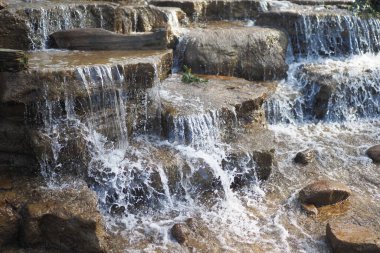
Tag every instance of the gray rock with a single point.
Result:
(251, 53)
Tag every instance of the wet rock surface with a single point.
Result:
(100, 39)
(352, 238)
(192, 234)
(37, 219)
(251, 53)
(12, 60)
(324, 192)
(374, 153)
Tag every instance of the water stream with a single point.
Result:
(146, 183)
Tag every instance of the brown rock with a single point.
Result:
(310, 209)
(305, 157)
(100, 39)
(9, 224)
(351, 238)
(64, 219)
(324, 192)
(374, 153)
(13, 60)
(180, 233)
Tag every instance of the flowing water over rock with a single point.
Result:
(204, 166)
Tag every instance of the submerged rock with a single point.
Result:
(352, 238)
(324, 192)
(305, 157)
(252, 53)
(374, 153)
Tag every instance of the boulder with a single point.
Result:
(324, 192)
(13, 31)
(352, 238)
(67, 220)
(305, 157)
(374, 153)
(252, 53)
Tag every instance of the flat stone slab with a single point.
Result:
(100, 39)
(352, 238)
(253, 53)
(52, 73)
(201, 111)
(181, 99)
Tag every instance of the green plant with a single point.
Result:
(188, 77)
(365, 8)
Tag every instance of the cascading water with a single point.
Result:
(45, 20)
(330, 90)
(179, 166)
(335, 35)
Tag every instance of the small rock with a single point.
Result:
(305, 157)
(180, 232)
(351, 238)
(324, 192)
(374, 153)
(310, 209)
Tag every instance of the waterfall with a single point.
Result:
(330, 90)
(335, 35)
(43, 21)
(195, 130)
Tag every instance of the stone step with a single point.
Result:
(12, 60)
(315, 31)
(200, 113)
(253, 53)
(100, 39)
(52, 74)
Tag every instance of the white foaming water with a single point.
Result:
(335, 35)
(328, 89)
